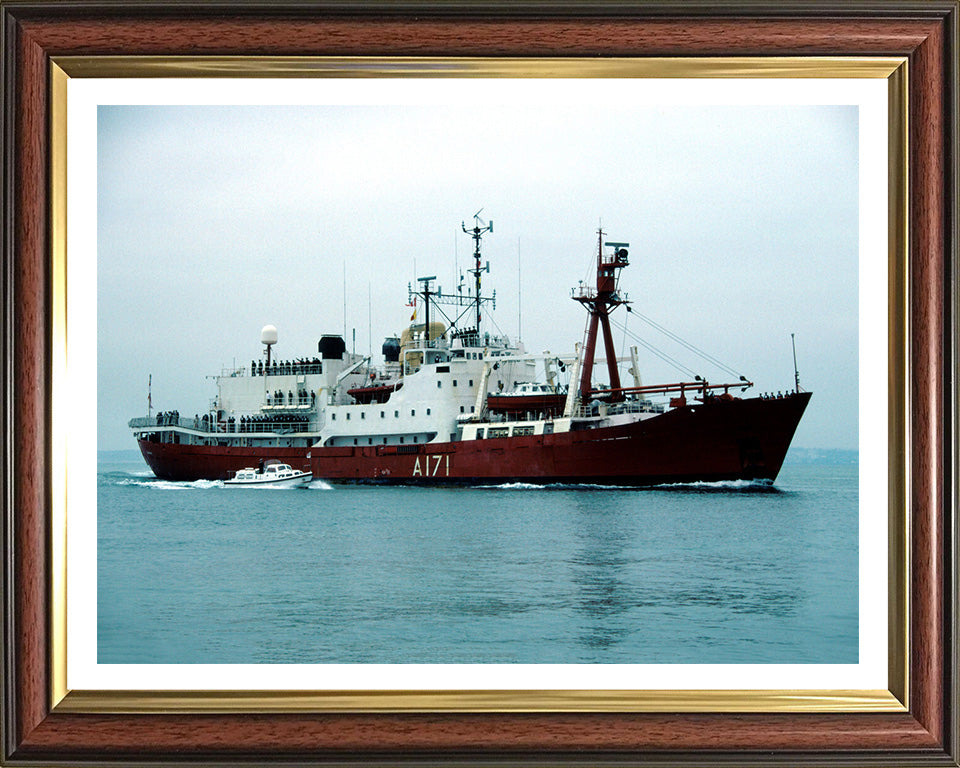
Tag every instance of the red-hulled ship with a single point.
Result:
(456, 405)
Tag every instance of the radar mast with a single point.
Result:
(477, 233)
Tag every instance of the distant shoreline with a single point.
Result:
(822, 456)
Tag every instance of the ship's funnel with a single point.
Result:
(437, 330)
(332, 347)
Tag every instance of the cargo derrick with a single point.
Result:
(600, 302)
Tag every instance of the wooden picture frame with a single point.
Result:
(37, 731)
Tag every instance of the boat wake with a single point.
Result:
(167, 485)
(550, 487)
(721, 486)
(148, 480)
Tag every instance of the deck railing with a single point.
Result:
(610, 409)
(274, 426)
(291, 368)
(278, 368)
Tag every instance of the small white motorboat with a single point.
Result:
(271, 474)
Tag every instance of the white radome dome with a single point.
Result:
(268, 335)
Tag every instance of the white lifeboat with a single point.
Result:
(272, 475)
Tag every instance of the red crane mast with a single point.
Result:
(600, 302)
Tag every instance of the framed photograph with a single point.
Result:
(510, 548)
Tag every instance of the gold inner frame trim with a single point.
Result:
(59, 389)
(468, 67)
(898, 415)
(232, 702)
(892, 69)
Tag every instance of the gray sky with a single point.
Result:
(214, 221)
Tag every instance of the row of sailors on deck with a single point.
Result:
(297, 422)
(303, 397)
(168, 417)
(286, 367)
(294, 422)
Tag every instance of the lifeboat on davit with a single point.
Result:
(528, 397)
(374, 393)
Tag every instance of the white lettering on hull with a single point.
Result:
(440, 460)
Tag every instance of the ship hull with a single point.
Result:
(714, 441)
(176, 461)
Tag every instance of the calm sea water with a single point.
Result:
(719, 573)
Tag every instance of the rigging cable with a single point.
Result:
(696, 350)
(623, 344)
(656, 351)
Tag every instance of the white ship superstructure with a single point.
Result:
(439, 384)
